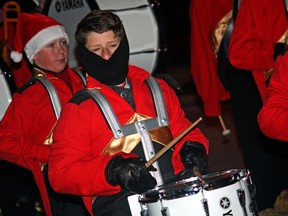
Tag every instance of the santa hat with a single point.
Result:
(33, 32)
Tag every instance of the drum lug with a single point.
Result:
(144, 208)
(164, 211)
(252, 205)
(205, 206)
(253, 208)
(252, 191)
(242, 200)
(144, 212)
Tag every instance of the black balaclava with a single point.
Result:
(109, 72)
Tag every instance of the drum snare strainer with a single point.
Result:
(223, 193)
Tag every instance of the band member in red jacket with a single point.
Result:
(206, 37)
(26, 129)
(107, 132)
(273, 116)
(259, 27)
(259, 31)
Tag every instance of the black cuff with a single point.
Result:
(110, 170)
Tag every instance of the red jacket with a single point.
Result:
(204, 17)
(273, 116)
(21, 72)
(77, 162)
(26, 124)
(259, 26)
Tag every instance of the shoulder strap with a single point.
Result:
(141, 127)
(158, 101)
(79, 72)
(54, 98)
(105, 106)
(125, 130)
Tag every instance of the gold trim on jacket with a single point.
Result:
(128, 143)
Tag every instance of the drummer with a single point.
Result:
(91, 158)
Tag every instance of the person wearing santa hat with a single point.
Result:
(26, 129)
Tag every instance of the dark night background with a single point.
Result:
(177, 28)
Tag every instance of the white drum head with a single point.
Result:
(138, 18)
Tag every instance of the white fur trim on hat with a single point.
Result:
(16, 56)
(43, 38)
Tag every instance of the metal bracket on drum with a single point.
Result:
(164, 210)
(143, 206)
(205, 206)
(242, 200)
(144, 210)
(245, 177)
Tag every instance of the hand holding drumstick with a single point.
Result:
(171, 144)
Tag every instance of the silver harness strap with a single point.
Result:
(53, 95)
(142, 127)
(80, 74)
(54, 98)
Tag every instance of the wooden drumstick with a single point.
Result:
(198, 174)
(170, 144)
(225, 130)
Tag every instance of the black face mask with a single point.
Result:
(109, 72)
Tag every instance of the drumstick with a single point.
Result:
(170, 144)
(198, 174)
(225, 130)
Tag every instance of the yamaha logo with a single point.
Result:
(225, 203)
(64, 5)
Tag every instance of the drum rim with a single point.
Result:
(232, 176)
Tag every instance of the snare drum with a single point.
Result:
(222, 193)
(140, 18)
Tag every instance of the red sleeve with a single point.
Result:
(21, 132)
(27, 123)
(179, 123)
(259, 25)
(273, 116)
(73, 159)
(204, 17)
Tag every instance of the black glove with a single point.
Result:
(131, 174)
(279, 49)
(194, 154)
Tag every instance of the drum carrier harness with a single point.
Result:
(141, 127)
